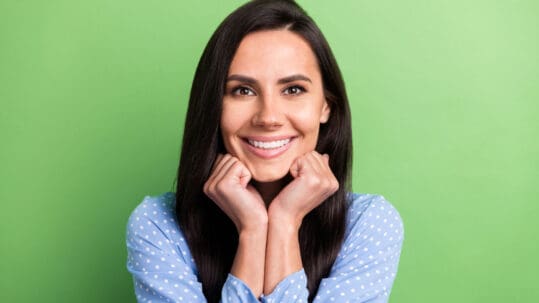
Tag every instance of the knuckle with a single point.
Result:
(329, 185)
(314, 181)
(335, 185)
(207, 187)
(236, 164)
(220, 188)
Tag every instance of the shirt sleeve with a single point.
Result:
(293, 288)
(160, 263)
(367, 264)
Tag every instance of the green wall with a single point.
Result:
(445, 103)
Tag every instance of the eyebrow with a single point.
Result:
(284, 80)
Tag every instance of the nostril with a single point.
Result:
(266, 121)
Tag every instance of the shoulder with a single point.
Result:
(153, 226)
(372, 218)
(157, 251)
(372, 207)
(156, 210)
(152, 206)
(369, 256)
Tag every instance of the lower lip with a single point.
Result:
(268, 153)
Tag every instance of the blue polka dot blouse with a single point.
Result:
(164, 270)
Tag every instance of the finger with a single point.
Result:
(323, 171)
(320, 165)
(326, 159)
(240, 173)
(295, 168)
(306, 164)
(211, 187)
(219, 161)
(216, 163)
(219, 157)
(313, 163)
(323, 163)
(219, 171)
(234, 170)
(333, 185)
(222, 169)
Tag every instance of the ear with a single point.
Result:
(324, 114)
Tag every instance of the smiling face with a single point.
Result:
(273, 104)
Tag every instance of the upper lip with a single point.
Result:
(268, 138)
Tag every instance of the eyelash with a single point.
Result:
(298, 87)
(236, 90)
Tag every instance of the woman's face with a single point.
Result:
(274, 103)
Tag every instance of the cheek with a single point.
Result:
(306, 115)
(307, 122)
(230, 120)
(233, 119)
(228, 128)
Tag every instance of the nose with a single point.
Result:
(269, 113)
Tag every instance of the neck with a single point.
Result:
(269, 190)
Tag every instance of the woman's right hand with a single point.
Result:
(228, 186)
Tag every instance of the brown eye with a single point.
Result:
(294, 90)
(243, 91)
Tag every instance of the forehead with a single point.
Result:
(274, 53)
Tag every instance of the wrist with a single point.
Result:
(279, 217)
(256, 230)
(284, 223)
(252, 223)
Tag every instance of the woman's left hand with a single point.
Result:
(313, 183)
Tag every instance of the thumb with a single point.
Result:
(295, 168)
(244, 176)
(326, 158)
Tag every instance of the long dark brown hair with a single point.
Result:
(211, 235)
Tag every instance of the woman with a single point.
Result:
(261, 211)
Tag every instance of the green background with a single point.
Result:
(445, 103)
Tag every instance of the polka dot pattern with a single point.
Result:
(367, 264)
(164, 271)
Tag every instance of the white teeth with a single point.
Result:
(269, 144)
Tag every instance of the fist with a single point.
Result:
(228, 186)
(313, 183)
